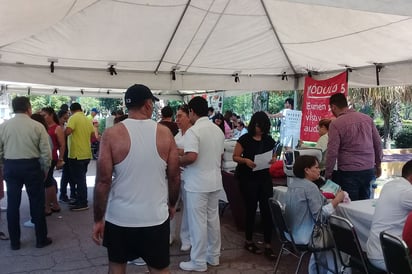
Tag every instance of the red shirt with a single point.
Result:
(407, 232)
(52, 133)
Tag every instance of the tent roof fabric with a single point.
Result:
(175, 45)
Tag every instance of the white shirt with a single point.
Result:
(205, 139)
(139, 192)
(392, 208)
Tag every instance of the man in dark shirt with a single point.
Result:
(167, 114)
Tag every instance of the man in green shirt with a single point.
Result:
(79, 129)
(25, 157)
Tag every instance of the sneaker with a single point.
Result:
(79, 207)
(28, 224)
(64, 199)
(138, 261)
(72, 202)
(185, 247)
(191, 266)
(213, 261)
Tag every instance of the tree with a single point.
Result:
(385, 100)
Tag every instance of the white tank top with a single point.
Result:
(139, 192)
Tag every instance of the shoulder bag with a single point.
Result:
(322, 237)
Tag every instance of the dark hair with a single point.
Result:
(338, 100)
(39, 118)
(199, 106)
(240, 123)
(120, 118)
(210, 109)
(75, 107)
(302, 162)
(407, 169)
(120, 112)
(51, 111)
(184, 108)
(220, 117)
(290, 101)
(20, 104)
(325, 122)
(261, 120)
(167, 112)
(61, 113)
(64, 107)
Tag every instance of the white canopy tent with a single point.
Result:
(179, 47)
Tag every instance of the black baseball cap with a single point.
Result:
(136, 94)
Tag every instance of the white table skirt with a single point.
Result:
(360, 213)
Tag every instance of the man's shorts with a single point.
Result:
(128, 243)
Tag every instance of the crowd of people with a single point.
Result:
(136, 197)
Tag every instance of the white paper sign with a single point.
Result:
(262, 160)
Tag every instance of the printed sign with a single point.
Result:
(316, 103)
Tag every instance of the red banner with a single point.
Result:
(316, 103)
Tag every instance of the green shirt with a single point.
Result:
(23, 138)
(79, 139)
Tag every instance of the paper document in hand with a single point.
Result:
(262, 160)
(330, 187)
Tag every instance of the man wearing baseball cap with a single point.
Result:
(131, 212)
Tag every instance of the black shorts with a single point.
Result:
(128, 243)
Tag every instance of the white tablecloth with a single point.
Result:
(279, 193)
(360, 213)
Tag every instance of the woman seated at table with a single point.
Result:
(303, 203)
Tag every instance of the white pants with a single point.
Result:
(204, 226)
(184, 227)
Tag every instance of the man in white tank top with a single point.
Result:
(203, 150)
(132, 209)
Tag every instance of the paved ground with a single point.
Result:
(73, 250)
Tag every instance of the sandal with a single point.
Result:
(3, 236)
(269, 253)
(252, 248)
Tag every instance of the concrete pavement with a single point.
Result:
(74, 252)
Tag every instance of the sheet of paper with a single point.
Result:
(262, 160)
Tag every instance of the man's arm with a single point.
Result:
(173, 174)
(187, 159)
(102, 186)
(68, 131)
(103, 181)
(332, 152)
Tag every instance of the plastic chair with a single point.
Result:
(346, 240)
(396, 254)
(282, 230)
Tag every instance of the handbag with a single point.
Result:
(321, 238)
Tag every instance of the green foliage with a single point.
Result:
(404, 138)
(110, 104)
(277, 100)
(88, 103)
(241, 105)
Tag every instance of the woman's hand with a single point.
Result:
(249, 163)
(338, 198)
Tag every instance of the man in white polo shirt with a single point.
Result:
(203, 181)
